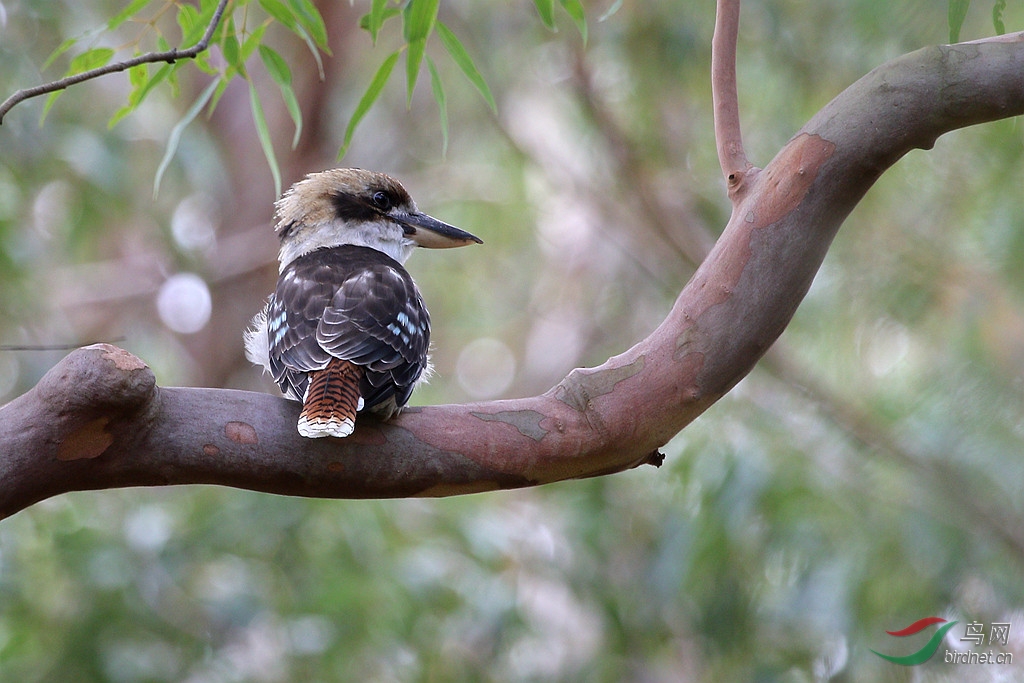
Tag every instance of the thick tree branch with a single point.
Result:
(169, 56)
(98, 420)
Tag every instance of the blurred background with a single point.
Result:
(868, 473)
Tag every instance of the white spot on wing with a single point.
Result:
(278, 327)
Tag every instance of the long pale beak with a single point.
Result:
(427, 231)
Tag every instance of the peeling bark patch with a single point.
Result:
(788, 177)
(211, 450)
(88, 441)
(584, 384)
(123, 359)
(526, 421)
(335, 466)
(241, 432)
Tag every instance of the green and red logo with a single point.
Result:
(926, 652)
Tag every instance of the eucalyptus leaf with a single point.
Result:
(127, 13)
(546, 10)
(263, 133)
(174, 138)
(461, 57)
(957, 12)
(373, 92)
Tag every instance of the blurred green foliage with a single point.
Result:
(865, 475)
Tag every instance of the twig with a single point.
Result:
(723, 94)
(169, 56)
(56, 347)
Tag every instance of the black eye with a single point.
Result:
(381, 200)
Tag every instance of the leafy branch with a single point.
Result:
(239, 33)
(419, 22)
(210, 24)
(94, 63)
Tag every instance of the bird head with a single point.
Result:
(364, 208)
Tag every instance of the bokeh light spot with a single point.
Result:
(184, 303)
(486, 368)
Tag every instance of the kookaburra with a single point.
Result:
(346, 329)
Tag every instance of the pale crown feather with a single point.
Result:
(308, 215)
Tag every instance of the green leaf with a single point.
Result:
(292, 104)
(280, 12)
(313, 49)
(61, 49)
(120, 114)
(263, 133)
(188, 19)
(90, 59)
(138, 77)
(309, 18)
(546, 10)
(162, 73)
(413, 60)
(126, 14)
(612, 9)
(50, 99)
(202, 62)
(172, 77)
(461, 57)
(997, 16)
(442, 104)
(276, 66)
(252, 42)
(279, 72)
(375, 19)
(222, 85)
(956, 14)
(175, 137)
(366, 22)
(369, 97)
(418, 20)
(232, 51)
(142, 86)
(575, 10)
(193, 23)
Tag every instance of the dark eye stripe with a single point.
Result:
(350, 207)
